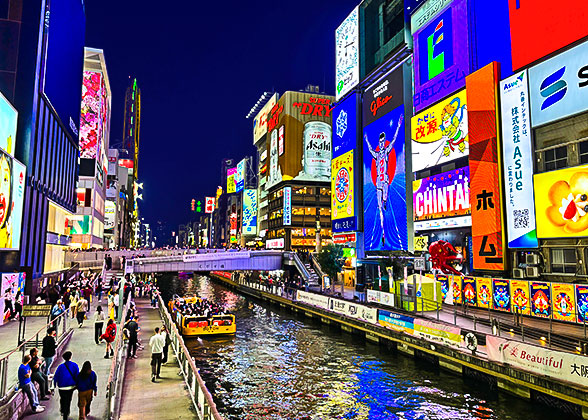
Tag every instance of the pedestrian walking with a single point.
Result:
(57, 309)
(156, 343)
(167, 341)
(116, 301)
(49, 347)
(99, 318)
(38, 375)
(99, 289)
(82, 308)
(109, 336)
(132, 333)
(65, 380)
(25, 383)
(87, 388)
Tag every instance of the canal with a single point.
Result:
(282, 366)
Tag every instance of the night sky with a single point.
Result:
(201, 66)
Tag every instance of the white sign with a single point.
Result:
(275, 175)
(275, 243)
(215, 256)
(263, 155)
(317, 151)
(437, 332)
(313, 299)
(287, 206)
(209, 206)
(559, 86)
(109, 214)
(260, 120)
(347, 54)
(426, 12)
(539, 360)
(281, 141)
(383, 298)
(518, 162)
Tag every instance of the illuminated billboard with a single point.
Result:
(518, 162)
(109, 214)
(240, 176)
(249, 212)
(209, 205)
(231, 180)
(441, 55)
(12, 186)
(561, 198)
(260, 120)
(440, 133)
(347, 54)
(541, 27)
(342, 188)
(8, 121)
(93, 115)
(287, 217)
(345, 125)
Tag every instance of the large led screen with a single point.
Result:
(249, 212)
(443, 195)
(8, 122)
(540, 27)
(345, 125)
(347, 54)
(240, 176)
(384, 185)
(93, 115)
(342, 189)
(12, 185)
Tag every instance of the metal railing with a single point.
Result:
(201, 397)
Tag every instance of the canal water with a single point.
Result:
(282, 366)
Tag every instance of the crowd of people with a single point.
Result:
(198, 307)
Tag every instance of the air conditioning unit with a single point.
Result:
(518, 273)
(532, 272)
(532, 259)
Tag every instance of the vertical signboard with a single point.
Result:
(564, 301)
(519, 292)
(240, 176)
(441, 55)
(209, 205)
(249, 212)
(342, 191)
(582, 302)
(518, 162)
(485, 184)
(260, 120)
(231, 180)
(484, 287)
(347, 54)
(345, 125)
(540, 299)
(8, 121)
(501, 294)
(317, 150)
(287, 206)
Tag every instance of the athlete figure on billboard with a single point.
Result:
(382, 179)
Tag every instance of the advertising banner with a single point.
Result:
(519, 291)
(240, 176)
(568, 367)
(484, 288)
(443, 195)
(367, 314)
(93, 115)
(559, 205)
(342, 193)
(382, 97)
(469, 291)
(456, 287)
(501, 294)
(274, 243)
(383, 298)
(441, 55)
(440, 133)
(540, 299)
(11, 219)
(345, 126)
(8, 121)
(343, 307)
(564, 25)
(558, 86)
(231, 180)
(347, 54)
(313, 299)
(582, 302)
(317, 150)
(384, 184)
(446, 289)
(564, 301)
(260, 120)
(249, 212)
(109, 214)
(426, 12)
(287, 206)
(486, 184)
(209, 205)
(13, 285)
(518, 162)
(396, 322)
(437, 332)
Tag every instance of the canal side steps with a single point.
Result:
(570, 398)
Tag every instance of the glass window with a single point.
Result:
(584, 152)
(563, 260)
(556, 158)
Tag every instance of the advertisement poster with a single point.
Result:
(501, 294)
(540, 299)
(456, 286)
(109, 214)
(345, 125)
(484, 287)
(8, 120)
(249, 212)
(485, 185)
(440, 133)
(93, 114)
(347, 54)
(582, 302)
(443, 195)
(518, 162)
(342, 197)
(564, 301)
(317, 150)
(11, 220)
(240, 176)
(209, 205)
(81, 225)
(287, 206)
(519, 290)
(396, 322)
(441, 55)
(384, 188)
(260, 120)
(446, 290)
(313, 299)
(231, 180)
(559, 204)
(469, 291)
(13, 285)
(437, 332)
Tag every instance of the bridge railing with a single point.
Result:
(201, 397)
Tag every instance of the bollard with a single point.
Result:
(474, 322)
(454, 316)
(437, 303)
(523, 332)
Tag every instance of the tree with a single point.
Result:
(331, 260)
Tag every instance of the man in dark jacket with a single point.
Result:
(132, 330)
(49, 346)
(65, 379)
(37, 375)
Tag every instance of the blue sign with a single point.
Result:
(559, 86)
(287, 206)
(249, 212)
(348, 224)
(345, 126)
(384, 183)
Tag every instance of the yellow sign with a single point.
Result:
(342, 198)
(421, 243)
(561, 203)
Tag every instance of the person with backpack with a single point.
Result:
(109, 336)
(65, 379)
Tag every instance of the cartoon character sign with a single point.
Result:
(501, 294)
(385, 220)
(519, 290)
(564, 301)
(444, 286)
(484, 286)
(540, 299)
(456, 290)
(445, 258)
(581, 302)
(469, 291)
(454, 127)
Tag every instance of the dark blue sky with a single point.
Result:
(201, 66)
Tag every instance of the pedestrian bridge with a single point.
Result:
(208, 261)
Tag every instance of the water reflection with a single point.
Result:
(279, 366)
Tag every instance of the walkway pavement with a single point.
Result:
(144, 400)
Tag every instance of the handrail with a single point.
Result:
(301, 267)
(201, 397)
(317, 267)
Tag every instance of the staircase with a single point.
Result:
(110, 278)
(314, 280)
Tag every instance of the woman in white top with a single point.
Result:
(99, 318)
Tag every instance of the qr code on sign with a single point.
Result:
(521, 219)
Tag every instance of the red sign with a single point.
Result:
(344, 238)
(540, 27)
(209, 206)
(274, 116)
(320, 107)
(126, 163)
